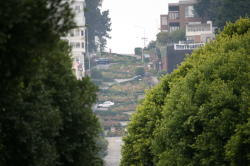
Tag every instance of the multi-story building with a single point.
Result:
(197, 34)
(164, 23)
(76, 39)
(200, 32)
(179, 14)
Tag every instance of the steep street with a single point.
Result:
(114, 149)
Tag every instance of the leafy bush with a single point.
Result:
(171, 37)
(138, 51)
(199, 114)
(139, 71)
(45, 112)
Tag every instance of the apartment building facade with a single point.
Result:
(179, 14)
(77, 38)
(164, 23)
(200, 32)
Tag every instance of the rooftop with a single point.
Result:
(173, 4)
(187, 1)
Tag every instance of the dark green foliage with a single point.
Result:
(163, 38)
(151, 45)
(171, 37)
(139, 71)
(76, 139)
(222, 11)
(102, 144)
(138, 51)
(137, 149)
(201, 115)
(45, 113)
(98, 24)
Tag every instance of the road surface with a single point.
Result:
(114, 151)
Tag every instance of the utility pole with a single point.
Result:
(144, 44)
(144, 39)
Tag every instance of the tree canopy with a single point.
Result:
(98, 24)
(222, 11)
(45, 113)
(138, 51)
(139, 71)
(199, 114)
(171, 37)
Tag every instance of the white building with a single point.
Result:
(76, 39)
(187, 46)
(197, 35)
(198, 32)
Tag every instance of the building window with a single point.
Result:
(164, 20)
(75, 44)
(173, 15)
(199, 28)
(173, 8)
(189, 11)
(77, 32)
(77, 8)
(77, 59)
(79, 20)
(190, 39)
(71, 33)
(83, 45)
(82, 32)
(173, 26)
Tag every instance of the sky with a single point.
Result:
(133, 20)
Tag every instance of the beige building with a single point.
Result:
(164, 23)
(76, 39)
(198, 32)
(179, 14)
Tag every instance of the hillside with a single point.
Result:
(119, 83)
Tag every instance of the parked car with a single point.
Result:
(106, 104)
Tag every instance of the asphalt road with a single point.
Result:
(114, 151)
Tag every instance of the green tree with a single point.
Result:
(170, 37)
(137, 148)
(163, 37)
(203, 114)
(206, 106)
(28, 120)
(76, 140)
(45, 113)
(98, 24)
(151, 45)
(139, 71)
(178, 35)
(138, 51)
(222, 11)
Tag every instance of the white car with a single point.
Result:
(106, 104)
